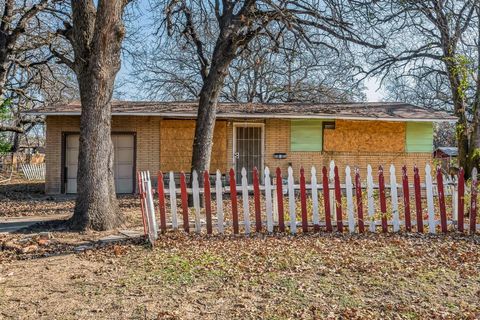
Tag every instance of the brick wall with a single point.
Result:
(277, 139)
(147, 131)
(158, 149)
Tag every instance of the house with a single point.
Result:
(158, 136)
(446, 156)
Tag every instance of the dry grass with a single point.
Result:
(314, 276)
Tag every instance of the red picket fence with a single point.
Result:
(311, 206)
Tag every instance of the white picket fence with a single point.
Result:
(272, 216)
(34, 171)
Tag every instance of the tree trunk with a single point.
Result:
(97, 39)
(96, 206)
(207, 107)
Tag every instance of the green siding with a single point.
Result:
(306, 135)
(419, 137)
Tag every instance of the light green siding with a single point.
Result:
(419, 137)
(306, 135)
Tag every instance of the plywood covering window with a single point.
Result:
(306, 135)
(419, 137)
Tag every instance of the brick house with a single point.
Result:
(158, 136)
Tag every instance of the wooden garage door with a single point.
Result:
(124, 145)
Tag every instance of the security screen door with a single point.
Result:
(248, 150)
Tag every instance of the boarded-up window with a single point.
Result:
(419, 137)
(306, 135)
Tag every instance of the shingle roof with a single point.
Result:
(360, 110)
(449, 151)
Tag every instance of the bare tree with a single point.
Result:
(234, 24)
(96, 32)
(432, 58)
(28, 74)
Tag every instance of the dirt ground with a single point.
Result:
(314, 276)
(310, 277)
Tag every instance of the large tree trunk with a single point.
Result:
(97, 38)
(207, 107)
(96, 206)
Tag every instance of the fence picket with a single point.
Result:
(256, 199)
(358, 196)
(233, 197)
(406, 200)
(461, 199)
(430, 207)
(338, 200)
(394, 199)
(370, 199)
(348, 191)
(219, 201)
(303, 200)
(196, 200)
(161, 202)
(184, 196)
(268, 200)
(331, 180)
(207, 199)
(326, 200)
(142, 206)
(383, 201)
(473, 205)
(173, 200)
(246, 206)
(315, 215)
(291, 202)
(441, 200)
(418, 199)
(281, 217)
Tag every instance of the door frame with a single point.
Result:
(234, 143)
(64, 155)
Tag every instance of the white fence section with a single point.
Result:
(34, 171)
(322, 202)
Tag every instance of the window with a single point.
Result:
(419, 137)
(306, 135)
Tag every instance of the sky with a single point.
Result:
(373, 91)
(142, 18)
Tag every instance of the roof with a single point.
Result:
(449, 151)
(390, 111)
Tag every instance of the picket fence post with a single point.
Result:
(233, 198)
(326, 200)
(430, 207)
(461, 199)
(349, 187)
(358, 195)
(383, 201)
(406, 199)
(394, 197)
(315, 215)
(418, 199)
(268, 200)
(173, 200)
(161, 202)
(219, 201)
(370, 199)
(207, 197)
(196, 200)
(473, 203)
(281, 218)
(291, 202)
(338, 201)
(246, 208)
(303, 200)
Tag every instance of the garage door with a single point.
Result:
(123, 162)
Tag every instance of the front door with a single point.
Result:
(248, 149)
(123, 163)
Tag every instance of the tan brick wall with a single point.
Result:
(166, 145)
(277, 139)
(147, 131)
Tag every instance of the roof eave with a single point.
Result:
(257, 116)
